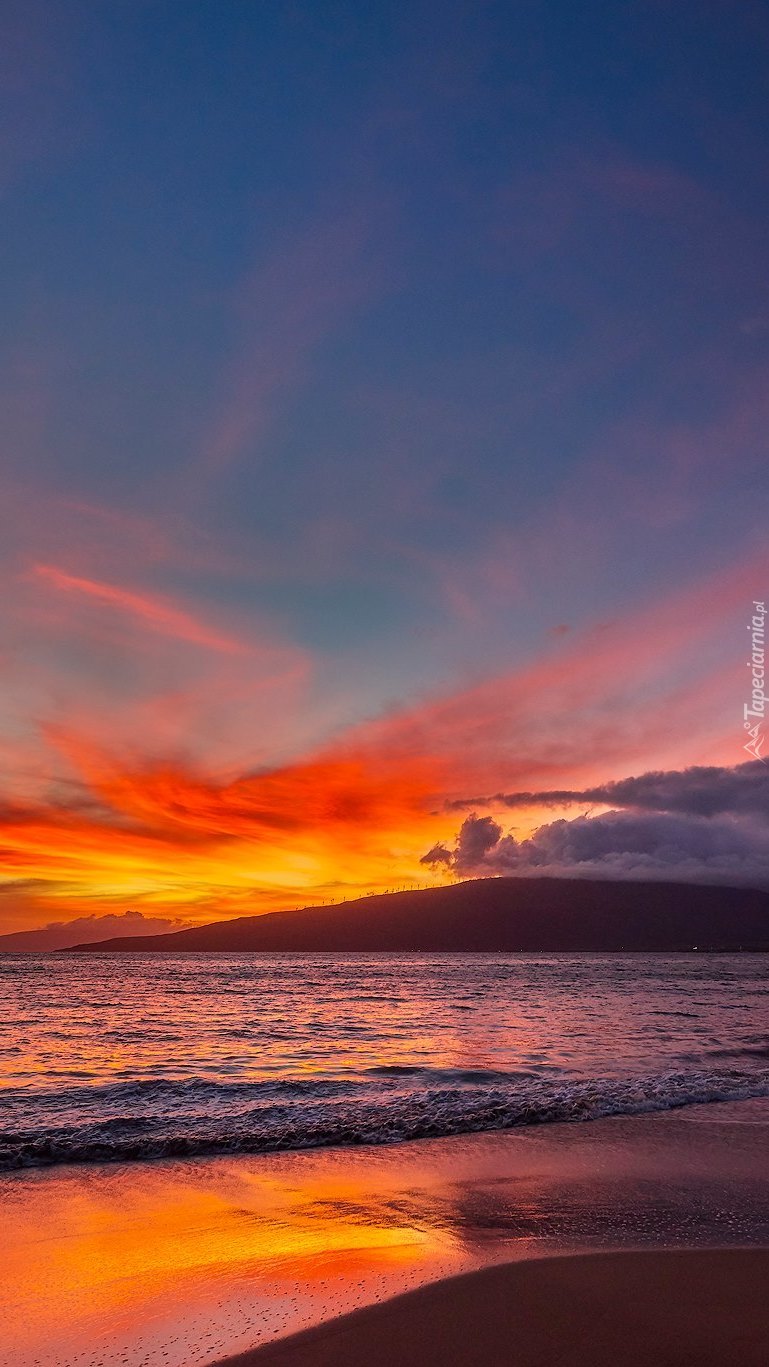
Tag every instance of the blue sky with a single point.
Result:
(411, 340)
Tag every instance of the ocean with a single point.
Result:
(121, 1058)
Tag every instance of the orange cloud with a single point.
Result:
(140, 825)
(161, 836)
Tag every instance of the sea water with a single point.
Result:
(122, 1057)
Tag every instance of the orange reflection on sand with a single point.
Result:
(93, 1257)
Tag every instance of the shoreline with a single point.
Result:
(669, 1307)
(623, 1103)
(190, 1262)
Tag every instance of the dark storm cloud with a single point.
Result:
(704, 823)
(618, 845)
(478, 836)
(699, 791)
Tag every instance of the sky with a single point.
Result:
(383, 414)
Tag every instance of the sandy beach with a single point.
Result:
(680, 1308)
(184, 1264)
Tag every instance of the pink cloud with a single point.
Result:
(158, 614)
(653, 687)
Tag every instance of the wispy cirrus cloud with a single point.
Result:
(156, 613)
(651, 682)
(293, 299)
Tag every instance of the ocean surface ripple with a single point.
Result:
(128, 1057)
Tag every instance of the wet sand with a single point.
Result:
(672, 1309)
(182, 1263)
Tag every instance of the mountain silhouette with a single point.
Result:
(492, 914)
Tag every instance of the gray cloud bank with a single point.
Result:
(703, 824)
(701, 791)
(87, 930)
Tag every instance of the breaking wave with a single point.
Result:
(147, 1119)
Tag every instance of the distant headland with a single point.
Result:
(535, 915)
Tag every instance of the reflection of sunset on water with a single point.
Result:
(155, 1056)
(181, 1263)
(119, 1255)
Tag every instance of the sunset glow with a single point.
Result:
(134, 814)
(304, 541)
(384, 689)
